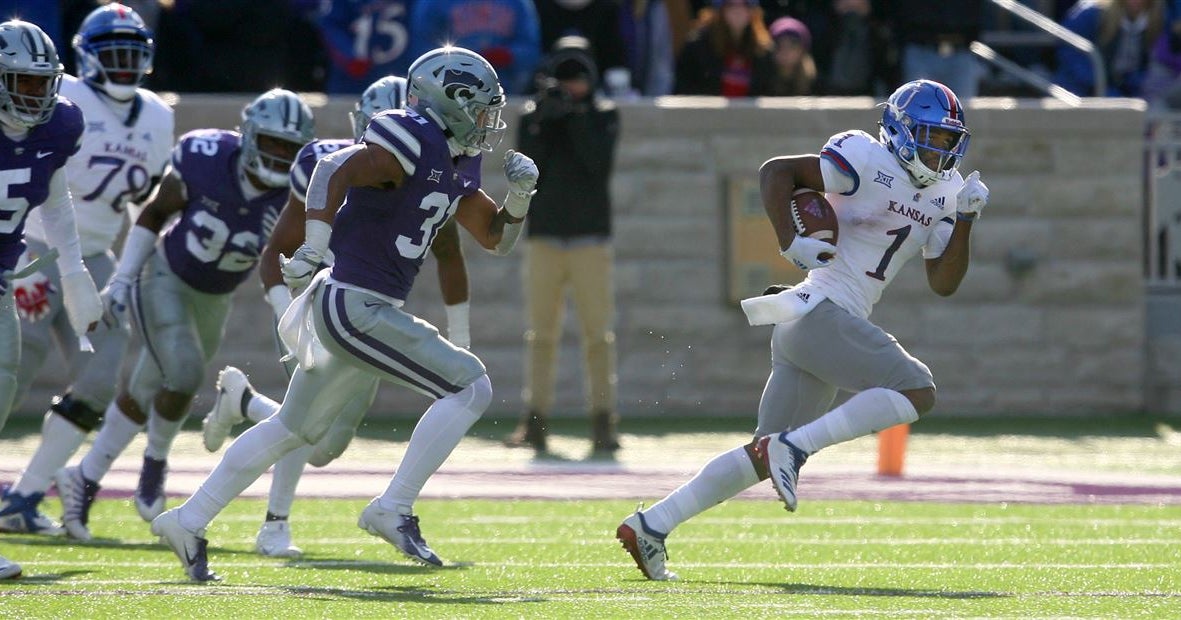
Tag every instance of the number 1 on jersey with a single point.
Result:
(900, 235)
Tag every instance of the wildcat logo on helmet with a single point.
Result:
(460, 84)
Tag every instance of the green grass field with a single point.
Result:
(559, 559)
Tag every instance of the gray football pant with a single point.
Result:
(92, 377)
(181, 329)
(342, 431)
(369, 338)
(826, 350)
(10, 351)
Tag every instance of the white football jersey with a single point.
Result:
(116, 164)
(884, 220)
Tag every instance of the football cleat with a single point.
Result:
(9, 569)
(19, 514)
(274, 540)
(784, 460)
(227, 408)
(399, 530)
(77, 495)
(149, 494)
(189, 547)
(646, 547)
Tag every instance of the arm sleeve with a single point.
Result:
(57, 217)
(937, 241)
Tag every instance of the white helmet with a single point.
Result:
(26, 51)
(279, 114)
(459, 88)
(388, 93)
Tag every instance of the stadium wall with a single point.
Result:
(1050, 319)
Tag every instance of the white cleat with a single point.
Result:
(399, 530)
(274, 540)
(646, 547)
(784, 460)
(227, 408)
(189, 547)
(77, 496)
(9, 569)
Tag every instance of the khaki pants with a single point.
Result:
(586, 271)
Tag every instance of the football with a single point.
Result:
(813, 216)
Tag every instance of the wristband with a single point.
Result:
(966, 217)
(459, 323)
(279, 296)
(316, 235)
(136, 248)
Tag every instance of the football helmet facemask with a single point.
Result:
(30, 75)
(923, 124)
(279, 114)
(388, 93)
(114, 49)
(458, 88)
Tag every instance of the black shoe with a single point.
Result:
(531, 432)
(604, 432)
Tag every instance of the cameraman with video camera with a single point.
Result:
(571, 136)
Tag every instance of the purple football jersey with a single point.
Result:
(216, 241)
(305, 163)
(380, 237)
(26, 166)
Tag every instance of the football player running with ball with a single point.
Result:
(348, 327)
(124, 150)
(894, 196)
(237, 400)
(227, 189)
(39, 132)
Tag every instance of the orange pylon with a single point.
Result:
(892, 450)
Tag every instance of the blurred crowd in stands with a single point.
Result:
(646, 48)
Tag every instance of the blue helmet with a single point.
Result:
(114, 49)
(388, 93)
(909, 117)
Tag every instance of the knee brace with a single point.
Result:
(85, 417)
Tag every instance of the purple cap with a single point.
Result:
(791, 27)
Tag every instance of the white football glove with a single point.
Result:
(299, 269)
(31, 294)
(522, 175)
(972, 197)
(114, 300)
(804, 253)
(84, 308)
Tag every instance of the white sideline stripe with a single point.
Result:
(216, 564)
(530, 595)
(746, 540)
(741, 521)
